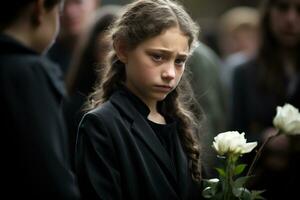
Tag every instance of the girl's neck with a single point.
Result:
(154, 115)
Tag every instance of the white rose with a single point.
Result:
(287, 119)
(232, 142)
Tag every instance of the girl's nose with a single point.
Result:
(169, 72)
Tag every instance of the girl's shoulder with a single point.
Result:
(118, 108)
(105, 111)
(104, 119)
(99, 117)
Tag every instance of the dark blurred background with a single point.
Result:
(205, 12)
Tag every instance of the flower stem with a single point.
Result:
(259, 152)
(229, 176)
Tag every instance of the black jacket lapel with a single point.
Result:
(146, 134)
(142, 130)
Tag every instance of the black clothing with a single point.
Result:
(61, 55)
(34, 144)
(120, 157)
(165, 132)
(254, 108)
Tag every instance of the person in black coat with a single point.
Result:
(34, 144)
(260, 85)
(138, 139)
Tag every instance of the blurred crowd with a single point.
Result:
(255, 67)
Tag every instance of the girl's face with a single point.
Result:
(154, 67)
(285, 22)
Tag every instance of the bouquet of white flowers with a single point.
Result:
(231, 145)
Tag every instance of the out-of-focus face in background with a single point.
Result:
(285, 22)
(238, 29)
(49, 29)
(75, 15)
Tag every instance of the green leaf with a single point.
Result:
(218, 196)
(235, 158)
(221, 171)
(206, 183)
(237, 192)
(256, 194)
(240, 182)
(239, 169)
(245, 194)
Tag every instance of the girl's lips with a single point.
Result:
(164, 88)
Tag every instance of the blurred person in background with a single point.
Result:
(238, 40)
(86, 66)
(74, 19)
(204, 67)
(271, 79)
(35, 159)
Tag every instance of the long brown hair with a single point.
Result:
(143, 20)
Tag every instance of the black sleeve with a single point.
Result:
(238, 101)
(96, 165)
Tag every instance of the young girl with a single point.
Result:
(138, 141)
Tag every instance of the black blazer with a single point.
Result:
(34, 154)
(120, 157)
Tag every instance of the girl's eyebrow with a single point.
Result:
(168, 52)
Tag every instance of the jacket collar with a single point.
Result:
(129, 106)
(10, 46)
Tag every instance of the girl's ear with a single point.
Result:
(121, 50)
(38, 10)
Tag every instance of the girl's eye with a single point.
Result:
(180, 61)
(156, 57)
